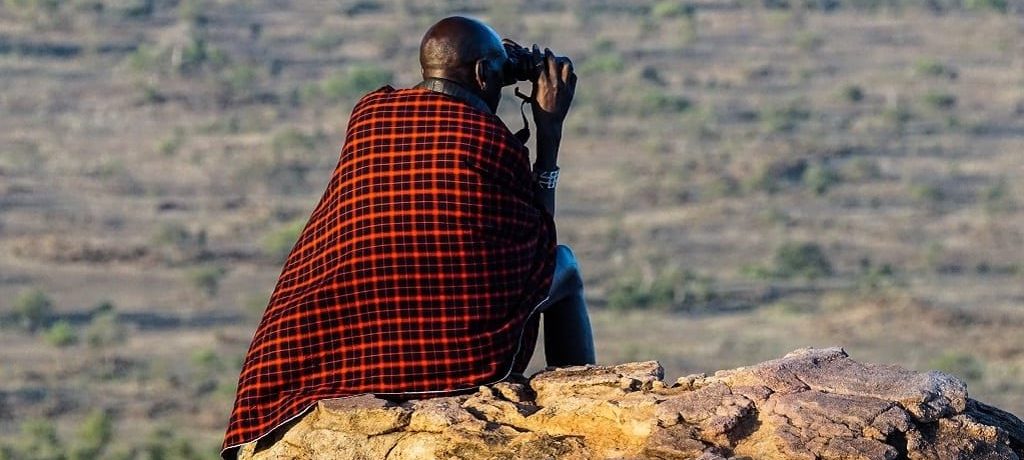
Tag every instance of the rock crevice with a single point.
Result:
(811, 404)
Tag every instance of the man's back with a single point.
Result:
(417, 272)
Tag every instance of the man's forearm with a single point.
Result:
(548, 140)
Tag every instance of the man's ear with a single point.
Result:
(480, 73)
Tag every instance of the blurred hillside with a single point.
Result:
(741, 178)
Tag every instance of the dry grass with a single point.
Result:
(142, 152)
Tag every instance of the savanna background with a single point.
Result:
(740, 178)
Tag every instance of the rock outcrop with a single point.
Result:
(811, 404)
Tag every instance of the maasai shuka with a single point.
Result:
(418, 272)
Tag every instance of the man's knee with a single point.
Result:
(567, 269)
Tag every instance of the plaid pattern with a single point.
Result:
(417, 273)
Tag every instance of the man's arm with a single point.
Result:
(553, 92)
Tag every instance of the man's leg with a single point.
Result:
(568, 338)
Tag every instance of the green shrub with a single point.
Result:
(809, 41)
(959, 364)
(852, 93)
(784, 118)
(930, 67)
(237, 82)
(898, 116)
(145, 59)
(927, 193)
(672, 9)
(998, 197)
(198, 56)
(93, 436)
(193, 11)
(756, 271)
(605, 62)
(39, 441)
(326, 41)
(653, 101)
(873, 278)
(39, 12)
(1000, 6)
(61, 334)
(207, 360)
(772, 175)
(171, 234)
(820, 178)
(358, 81)
(167, 443)
(860, 169)
(105, 329)
(278, 243)
(207, 279)
(805, 260)
(33, 309)
(635, 292)
(940, 100)
(293, 139)
(669, 289)
(170, 145)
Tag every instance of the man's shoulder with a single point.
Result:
(389, 94)
(422, 104)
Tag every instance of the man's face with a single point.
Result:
(494, 78)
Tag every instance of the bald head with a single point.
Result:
(452, 47)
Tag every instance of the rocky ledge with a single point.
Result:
(811, 404)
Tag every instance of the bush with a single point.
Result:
(999, 6)
(326, 41)
(654, 101)
(61, 334)
(278, 243)
(805, 260)
(771, 176)
(672, 9)
(172, 234)
(853, 93)
(809, 41)
(927, 67)
(998, 196)
(939, 100)
(39, 441)
(959, 364)
(207, 279)
(898, 116)
(198, 56)
(604, 62)
(238, 82)
(635, 292)
(820, 178)
(927, 193)
(170, 145)
(293, 139)
(167, 444)
(785, 118)
(94, 434)
(861, 169)
(105, 329)
(358, 81)
(33, 309)
(668, 290)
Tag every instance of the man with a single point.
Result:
(423, 268)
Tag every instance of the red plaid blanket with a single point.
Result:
(417, 273)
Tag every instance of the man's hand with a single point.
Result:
(553, 91)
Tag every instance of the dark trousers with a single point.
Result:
(568, 337)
